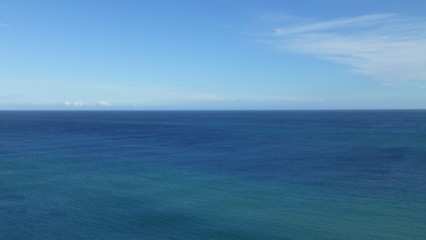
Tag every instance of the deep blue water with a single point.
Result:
(212, 175)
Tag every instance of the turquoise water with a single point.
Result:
(213, 175)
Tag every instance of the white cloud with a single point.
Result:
(388, 47)
(81, 104)
(74, 104)
(103, 103)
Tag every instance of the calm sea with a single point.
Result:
(212, 175)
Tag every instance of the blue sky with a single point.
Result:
(164, 54)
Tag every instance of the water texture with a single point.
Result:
(212, 175)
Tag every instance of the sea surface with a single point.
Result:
(151, 175)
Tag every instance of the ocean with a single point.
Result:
(124, 175)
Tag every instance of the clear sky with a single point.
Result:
(212, 54)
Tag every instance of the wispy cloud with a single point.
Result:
(87, 96)
(4, 25)
(74, 104)
(103, 103)
(278, 99)
(11, 96)
(86, 104)
(388, 47)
